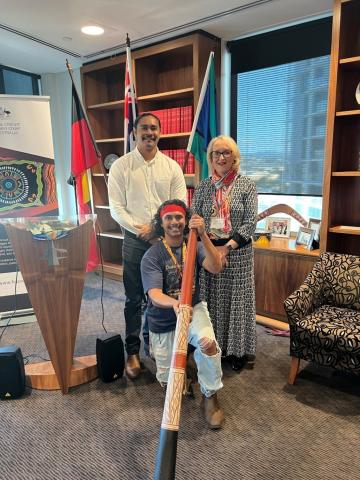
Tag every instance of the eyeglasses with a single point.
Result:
(226, 154)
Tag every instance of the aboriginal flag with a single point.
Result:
(83, 157)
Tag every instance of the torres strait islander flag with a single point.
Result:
(83, 157)
(130, 107)
(205, 121)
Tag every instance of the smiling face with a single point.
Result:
(222, 157)
(173, 224)
(147, 134)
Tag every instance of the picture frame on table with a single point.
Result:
(278, 226)
(305, 237)
(314, 224)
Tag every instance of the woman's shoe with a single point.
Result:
(238, 363)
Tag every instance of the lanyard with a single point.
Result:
(179, 268)
(224, 196)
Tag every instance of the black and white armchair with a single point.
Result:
(324, 315)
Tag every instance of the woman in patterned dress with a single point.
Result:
(228, 203)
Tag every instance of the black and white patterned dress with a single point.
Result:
(230, 295)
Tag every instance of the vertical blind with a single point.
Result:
(279, 103)
(281, 118)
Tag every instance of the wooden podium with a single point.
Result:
(52, 257)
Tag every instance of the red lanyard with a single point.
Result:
(223, 195)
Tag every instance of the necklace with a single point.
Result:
(179, 268)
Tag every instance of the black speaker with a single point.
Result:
(110, 357)
(12, 373)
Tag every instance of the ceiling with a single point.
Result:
(38, 36)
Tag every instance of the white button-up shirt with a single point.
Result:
(137, 188)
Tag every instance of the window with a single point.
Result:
(279, 89)
(281, 128)
(17, 82)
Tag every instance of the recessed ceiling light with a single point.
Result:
(92, 30)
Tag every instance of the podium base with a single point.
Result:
(41, 376)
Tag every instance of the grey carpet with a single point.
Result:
(110, 431)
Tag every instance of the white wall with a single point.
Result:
(225, 86)
(58, 87)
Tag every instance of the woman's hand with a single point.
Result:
(224, 252)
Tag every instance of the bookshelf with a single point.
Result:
(168, 78)
(340, 231)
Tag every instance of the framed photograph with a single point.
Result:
(278, 226)
(314, 223)
(305, 237)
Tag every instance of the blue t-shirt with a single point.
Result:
(158, 271)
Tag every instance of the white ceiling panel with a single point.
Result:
(32, 34)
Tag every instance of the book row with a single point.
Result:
(175, 120)
(179, 156)
(189, 196)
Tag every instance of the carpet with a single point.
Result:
(273, 431)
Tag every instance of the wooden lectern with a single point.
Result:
(52, 257)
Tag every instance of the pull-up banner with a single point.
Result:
(27, 180)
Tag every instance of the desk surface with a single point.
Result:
(286, 245)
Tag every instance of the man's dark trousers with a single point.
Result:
(133, 251)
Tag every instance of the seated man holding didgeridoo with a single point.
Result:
(161, 271)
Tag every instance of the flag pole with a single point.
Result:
(200, 102)
(98, 153)
(198, 110)
(128, 59)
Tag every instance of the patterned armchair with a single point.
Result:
(324, 315)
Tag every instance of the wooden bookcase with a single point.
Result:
(340, 231)
(166, 75)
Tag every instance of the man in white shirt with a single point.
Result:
(139, 182)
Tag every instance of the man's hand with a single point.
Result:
(176, 307)
(146, 232)
(208, 346)
(198, 223)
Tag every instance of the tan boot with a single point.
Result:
(213, 414)
(132, 367)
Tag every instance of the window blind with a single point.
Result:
(280, 119)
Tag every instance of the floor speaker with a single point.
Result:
(12, 373)
(110, 357)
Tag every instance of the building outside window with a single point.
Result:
(280, 117)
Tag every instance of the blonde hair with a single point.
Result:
(232, 146)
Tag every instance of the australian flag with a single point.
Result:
(130, 107)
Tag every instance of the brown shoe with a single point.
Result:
(213, 414)
(132, 367)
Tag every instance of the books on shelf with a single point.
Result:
(179, 156)
(189, 195)
(175, 120)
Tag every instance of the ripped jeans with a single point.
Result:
(209, 366)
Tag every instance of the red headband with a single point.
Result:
(172, 208)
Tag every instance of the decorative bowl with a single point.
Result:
(262, 234)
